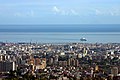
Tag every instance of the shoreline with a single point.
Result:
(39, 42)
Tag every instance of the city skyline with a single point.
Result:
(59, 39)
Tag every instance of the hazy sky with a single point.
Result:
(59, 11)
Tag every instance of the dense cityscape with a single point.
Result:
(70, 61)
(59, 39)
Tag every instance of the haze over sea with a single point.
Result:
(60, 33)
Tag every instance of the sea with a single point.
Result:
(16, 35)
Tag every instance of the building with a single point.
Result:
(4, 57)
(55, 59)
(114, 71)
(96, 68)
(50, 61)
(72, 62)
(38, 63)
(6, 66)
(62, 63)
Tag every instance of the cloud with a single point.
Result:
(56, 10)
(67, 12)
(98, 12)
(109, 12)
(74, 12)
(115, 12)
(25, 14)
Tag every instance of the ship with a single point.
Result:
(83, 39)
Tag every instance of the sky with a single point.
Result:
(35, 12)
